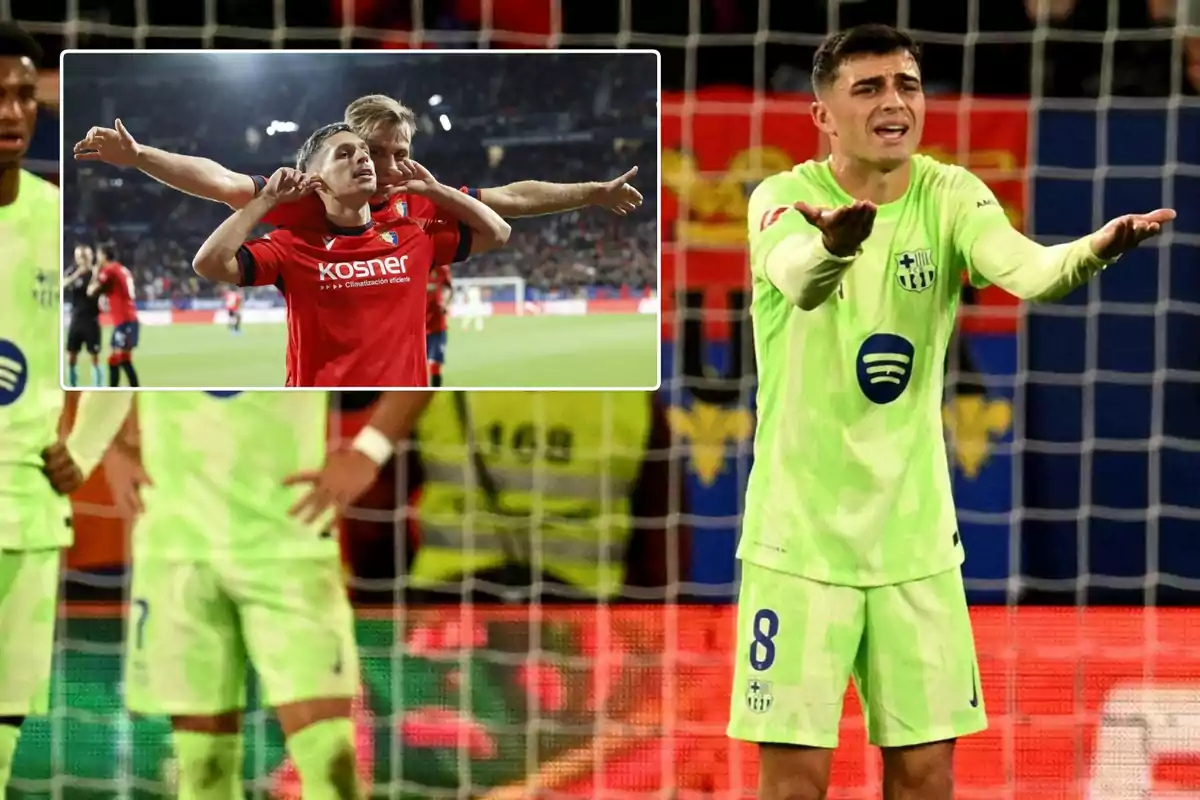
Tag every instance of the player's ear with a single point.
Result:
(820, 117)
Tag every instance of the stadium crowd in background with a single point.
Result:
(474, 133)
(1003, 65)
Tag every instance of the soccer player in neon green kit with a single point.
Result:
(233, 560)
(850, 552)
(35, 517)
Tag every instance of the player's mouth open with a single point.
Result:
(11, 140)
(365, 172)
(891, 130)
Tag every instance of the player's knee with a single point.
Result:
(115, 358)
(922, 772)
(793, 773)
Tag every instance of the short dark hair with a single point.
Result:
(312, 145)
(862, 40)
(14, 41)
(108, 249)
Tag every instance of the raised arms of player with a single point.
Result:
(200, 177)
(205, 178)
(489, 231)
(998, 253)
(534, 198)
(801, 251)
(216, 259)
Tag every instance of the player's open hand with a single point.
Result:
(617, 195)
(347, 474)
(60, 469)
(287, 185)
(126, 477)
(114, 146)
(1125, 233)
(843, 229)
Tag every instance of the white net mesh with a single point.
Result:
(1074, 430)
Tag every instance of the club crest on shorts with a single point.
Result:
(390, 237)
(915, 270)
(758, 696)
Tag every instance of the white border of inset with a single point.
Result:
(657, 188)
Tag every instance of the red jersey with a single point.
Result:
(354, 298)
(309, 212)
(233, 301)
(117, 282)
(435, 311)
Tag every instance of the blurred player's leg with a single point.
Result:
(91, 341)
(28, 604)
(919, 679)
(299, 631)
(72, 367)
(235, 322)
(185, 659)
(435, 352)
(120, 360)
(796, 645)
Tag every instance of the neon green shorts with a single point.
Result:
(192, 626)
(908, 647)
(28, 609)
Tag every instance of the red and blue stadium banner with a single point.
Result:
(717, 145)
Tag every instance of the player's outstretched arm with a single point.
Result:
(199, 177)
(803, 251)
(998, 253)
(216, 259)
(534, 198)
(489, 231)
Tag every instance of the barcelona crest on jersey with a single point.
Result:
(915, 270)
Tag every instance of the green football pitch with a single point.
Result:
(602, 351)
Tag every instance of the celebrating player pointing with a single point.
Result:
(850, 550)
(355, 289)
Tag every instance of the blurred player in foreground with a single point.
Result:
(437, 306)
(472, 309)
(356, 290)
(235, 559)
(388, 128)
(233, 310)
(114, 279)
(83, 331)
(850, 547)
(37, 469)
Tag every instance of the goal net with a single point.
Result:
(1073, 430)
(495, 296)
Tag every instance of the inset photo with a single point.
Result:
(251, 220)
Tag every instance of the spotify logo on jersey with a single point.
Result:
(14, 372)
(885, 363)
